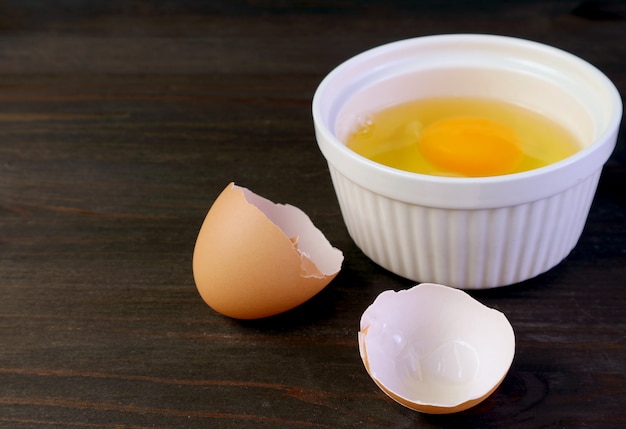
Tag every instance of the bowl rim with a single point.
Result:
(475, 192)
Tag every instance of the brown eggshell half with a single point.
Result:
(254, 258)
(435, 349)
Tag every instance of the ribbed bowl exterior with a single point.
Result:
(466, 249)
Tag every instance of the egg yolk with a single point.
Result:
(470, 146)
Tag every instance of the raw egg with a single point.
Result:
(461, 137)
(254, 258)
(435, 349)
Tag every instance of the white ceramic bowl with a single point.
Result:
(468, 233)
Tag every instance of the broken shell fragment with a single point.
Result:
(435, 349)
(254, 258)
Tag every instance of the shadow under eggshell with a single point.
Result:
(247, 267)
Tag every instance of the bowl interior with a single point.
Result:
(544, 79)
(528, 90)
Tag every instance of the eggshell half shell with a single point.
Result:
(254, 258)
(435, 349)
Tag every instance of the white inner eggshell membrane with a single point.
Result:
(320, 258)
(435, 345)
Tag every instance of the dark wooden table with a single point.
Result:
(121, 121)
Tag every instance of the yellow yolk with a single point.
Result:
(471, 146)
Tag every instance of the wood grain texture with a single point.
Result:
(121, 121)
